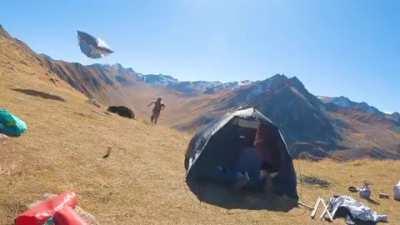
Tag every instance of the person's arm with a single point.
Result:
(151, 103)
(162, 107)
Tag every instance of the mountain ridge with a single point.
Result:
(330, 126)
(210, 87)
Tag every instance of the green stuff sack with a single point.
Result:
(10, 124)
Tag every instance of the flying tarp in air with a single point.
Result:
(93, 47)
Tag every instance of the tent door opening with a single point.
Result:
(247, 163)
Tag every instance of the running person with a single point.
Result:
(158, 106)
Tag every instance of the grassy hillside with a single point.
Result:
(142, 182)
(311, 126)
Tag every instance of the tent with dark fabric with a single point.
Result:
(237, 151)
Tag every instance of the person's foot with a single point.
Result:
(263, 174)
(242, 180)
(246, 176)
(273, 174)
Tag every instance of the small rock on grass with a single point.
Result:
(3, 138)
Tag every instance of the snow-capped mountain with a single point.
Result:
(191, 87)
(345, 103)
(159, 80)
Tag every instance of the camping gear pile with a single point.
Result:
(10, 124)
(59, 209)
(346, 207)
(355, 212)
(365, 192)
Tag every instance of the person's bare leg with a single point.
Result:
(156, 118)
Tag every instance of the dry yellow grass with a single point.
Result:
(142, 182)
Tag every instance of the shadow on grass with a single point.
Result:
(229, 199)
(39, 94)
(316, 181)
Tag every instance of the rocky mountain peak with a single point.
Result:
(345, 103)
(395, 116)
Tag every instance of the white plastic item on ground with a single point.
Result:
(365, 192)
(87, 217)
(396, 191)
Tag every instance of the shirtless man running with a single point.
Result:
(158, 106)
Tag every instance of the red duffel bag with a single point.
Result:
(41, 212)
(68, 216)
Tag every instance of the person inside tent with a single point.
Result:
(256, 159)
(268, 151)
(158, 106)
(231, 177)
(242, 171)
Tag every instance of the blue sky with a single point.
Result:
(336, 47)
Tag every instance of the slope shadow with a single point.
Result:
(39, 94)
(315, 181)
(229, 199)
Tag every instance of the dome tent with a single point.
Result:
(220, 144)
